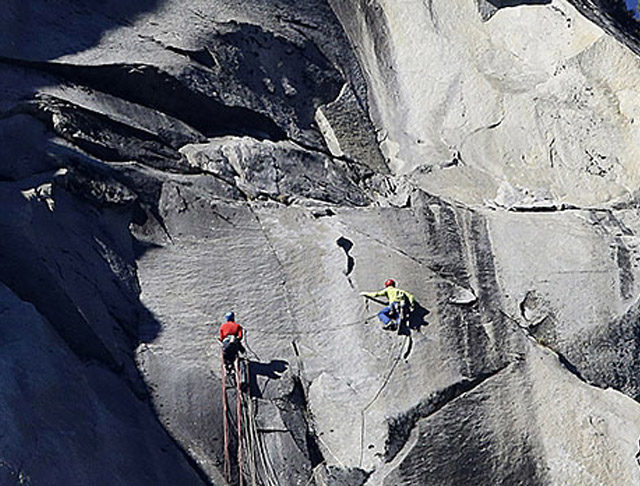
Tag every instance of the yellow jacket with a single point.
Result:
(393, 294)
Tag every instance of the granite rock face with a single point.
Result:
(537, 102)
(161, 164)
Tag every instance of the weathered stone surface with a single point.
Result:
(280, 171)
(522, 416)
(576, 292)
(537, 97)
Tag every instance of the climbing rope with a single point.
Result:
(261, 462)
(321, 330)
(385, 382)
(237, 423)
(227, 461)
(246, 345)
(249, 442)
(239, 418)
(252, 451)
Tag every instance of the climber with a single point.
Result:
(230, 337)
(401, 304)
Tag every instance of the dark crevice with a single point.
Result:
(400, 427)
(295, 414)
(516, 3)
(522, 306)
(204, 56)
(564, 361)
(295, 348)
(150, 87)
(298, 22)
(570, 366)
(550, 207)
(488, 8)
(346, 244)
(543, 209)
(623, 261)
(102, 137)
(323, 213)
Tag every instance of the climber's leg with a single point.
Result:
(385, 315)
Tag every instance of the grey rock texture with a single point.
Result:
(162, 163)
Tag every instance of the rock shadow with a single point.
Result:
(140, 247)
(72, 26)
(416, 320)
(515, 3)
(270, 371)
(148, 327)
(488, 8)
(346, 244)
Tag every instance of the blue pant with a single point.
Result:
(388, 314)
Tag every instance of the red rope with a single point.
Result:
(227, 460)
(239, 419)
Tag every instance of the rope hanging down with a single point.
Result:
(251, 450)
(227, 461)
(238, 421)
(239, 418)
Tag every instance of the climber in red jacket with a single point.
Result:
(230, 336)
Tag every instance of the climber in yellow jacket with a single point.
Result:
(399, 299)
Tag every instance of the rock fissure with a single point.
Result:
(147, 85)
(400, 427)
(567, 365)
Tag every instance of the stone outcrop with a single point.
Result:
(161, 164)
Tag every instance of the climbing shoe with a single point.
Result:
(389, 327)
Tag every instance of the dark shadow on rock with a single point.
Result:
(45, 29)
(141, 247)
(515, 3)
(417, 319)
(488, 8)
(271, 371)
(149, 86)
(346, 476)
(148, 326)
(346, 244)
(316, 81)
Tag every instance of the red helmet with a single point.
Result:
(389, 283)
